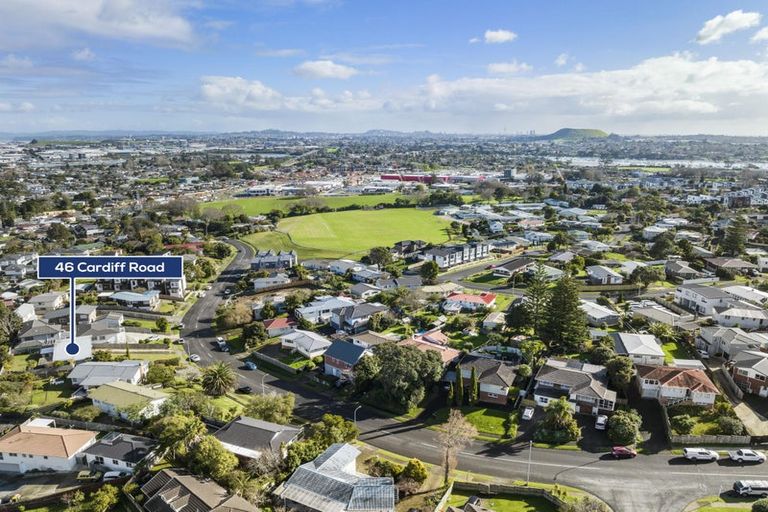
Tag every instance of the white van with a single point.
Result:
(751, 488)
(601, 422)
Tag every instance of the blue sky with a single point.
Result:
(480, 66)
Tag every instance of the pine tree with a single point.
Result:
(459, 387)
(474, 387)
(537, 297)
(735, 237)
(450, 394)
(565, 328)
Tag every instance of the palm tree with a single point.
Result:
(219, 379)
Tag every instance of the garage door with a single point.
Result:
(7, 467)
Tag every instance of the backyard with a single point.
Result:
(504, 502)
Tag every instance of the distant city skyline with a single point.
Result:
(656, 67)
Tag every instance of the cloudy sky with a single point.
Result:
(483, 66)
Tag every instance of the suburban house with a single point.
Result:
(597, 314)
(272, 260)
(36, 335)
(92, 374)
(598, 274)
(37, 446)
(700, 298)
(331, 483)
(458, 302)
(369, 339)
(364, 290)
(450, 256)
(584, 385)
(747, 294)
(681, 270)
(408, 249)
(119, 452)
(278, 326)
(148, 300)
(356, 318)
(749, 370)
(410, 282)
(26, 312)
(307, 343)
(320, 310)
(672, 385)
(447, 354)
(46, 302)
(341, 357)
(249, 438)
(494, 377)
(729, 341)
(170, 490)
(509, 269)
(494, 320)
(740, 315)
(275, 279)
(123, 400)
(640, 348)
(729, 264)
(171, 287)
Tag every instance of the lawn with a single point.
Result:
(486, 420)
(504, 502)
(264, 205)
(351, 233)
(721, 504)
(487, 278)
(51, 394)
(674, 350)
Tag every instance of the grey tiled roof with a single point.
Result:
(256, 435)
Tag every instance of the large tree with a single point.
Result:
(380, 256)
(429, 271)
(537, 297)
(624, 427)
(177, 433)
(558, 425)
(735, 237)
(565, 329)
(273, 407)
(211, 459)
(455, 434)
(219, 379)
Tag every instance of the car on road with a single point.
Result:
(601, 422)
(700, 454)
(623, 452)
(115, 475)
(194, 358)
(527, 413)
(89, 476)
(751, 488)
(250, 365)
(746, 455)
(222, 346)
(247, 390)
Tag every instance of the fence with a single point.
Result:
(136, 347)
(444, 500)
(521, 490)
(135, 313)
(727, 379)
(711, 439)
(684, 313)
(700, 280)
(274, 362)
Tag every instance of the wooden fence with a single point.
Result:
(520, 490)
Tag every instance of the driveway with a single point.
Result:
(36, 486)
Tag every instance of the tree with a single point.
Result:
(682, 424)
(103, 499)
(565, 328)
(86, 413)
(268, 310)
(558, 425)
(455, 434)
(429, 271)
(459, 387)
(161, 324)
(760, 505)
(450, 396)
(474, 387)
(272, 407)
(219, 379)
(253, 334)
(537, 297)
(10, 323)
(380, 256)
(234, 316)
(58, 232)
(646, 275)
(177, 433)
(160, 374)
(241, 483)
(601, 354)
(624, 427)
(333, 429)
(524, 371)
(663, 246)
(211, 459)
(620, 372)
(728, 426)
(365, 372)
(662, 331)
(531, 350)
(735, 237)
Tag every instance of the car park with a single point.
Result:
(700, 454)
(194, 358)
(623, 452)
(746, 455)
(527, 413)
(89, 476)
(751, 488)
(601, 422)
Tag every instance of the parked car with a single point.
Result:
(194, 358)
(601, 422)
(89, 476)
(222, 345)
(746, 455)
(751, 488)
(247, 390)
(180, 341)
(623, 452)
(527, 413)
(703, 354)
(250, 365)
(115, 475)
(700, 454)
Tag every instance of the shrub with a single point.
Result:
(760, 505)
(730, 426)
(624, 427)
(87, 413)
(682, 424)
(380, 467)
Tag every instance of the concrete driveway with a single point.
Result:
(32, 486)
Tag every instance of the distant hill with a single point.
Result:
(575, 134)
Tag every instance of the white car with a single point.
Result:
(194, 358)
(601, 422)
(746, 455)
(219, 339)
(527, 413)
(700, 454)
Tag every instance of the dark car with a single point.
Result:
(623, 452)
(245, 390)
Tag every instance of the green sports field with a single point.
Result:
(351, 234)
(264, 205)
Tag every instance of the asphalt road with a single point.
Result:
(661, 482)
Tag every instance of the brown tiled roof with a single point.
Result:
(53, 442)
(694, 379)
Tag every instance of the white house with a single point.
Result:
(651, 232)
(307, 343)
(598, 274)
(640, 348)
(741, 316)
(747, 294)
(37, 446)
(119, 452)
(95, 373)
(700, 298)
(320, 310)
(598, 314)
(121, 399)
(26, 312)
(674, 385)
(730, 341)
(278, 279)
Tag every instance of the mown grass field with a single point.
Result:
(352, 233)
(264, 205)
(504, 502)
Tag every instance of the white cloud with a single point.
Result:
(23, 107)
(280, 52)
(45, 22)
(11, 61)
(761, 35)
(509, 68)
(499, 36)
(475, 40)
(371, 59)
(579, 67)
(325, 69)
(719, 26)
(84, 54)
(562, 60)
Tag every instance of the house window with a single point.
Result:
(743, 372)
(13, 454)
(45, 457)
(99, 460)
(544, 400)
(760, 377)
(115, 461)
(492, 395)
